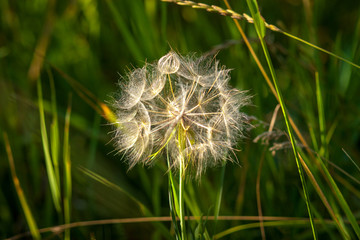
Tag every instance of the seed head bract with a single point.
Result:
(182, 106)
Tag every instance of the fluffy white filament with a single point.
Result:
(183, 104)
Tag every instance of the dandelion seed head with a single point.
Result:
(184, 105)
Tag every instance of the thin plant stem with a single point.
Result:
(181, 199)
(67, 172)
(258, 22)
(25, 206)
(181, 142)
(53, 183)
(292, 140)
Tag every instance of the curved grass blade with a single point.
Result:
(319, 48)
(357, 166)
(143, 208)
(27, 212)
(255, 12)
(323, 148)
(54, 129)
(67, 172)
(290, 223)
(173, 202)
(339, 222)
(344, 205)
(54, 184)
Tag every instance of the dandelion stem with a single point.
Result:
(181, 199)
(181, 181)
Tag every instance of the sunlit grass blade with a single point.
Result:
(54, 129)
(27, 212)
(254, 12)
(181, 197)
(172, 186)
(54, 185)
(173, 204)
(319, 48)
(67, 172)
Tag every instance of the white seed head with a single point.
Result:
(184, 105)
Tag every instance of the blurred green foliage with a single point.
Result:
(96, 41)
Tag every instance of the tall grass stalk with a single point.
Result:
(67, 172)
(54, 184)
(25, 206)
(340, 198)
(182, 175)
(260, 30)
(181, 199)
(320, 105)
(54, 129)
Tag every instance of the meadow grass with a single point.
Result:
(297, 175)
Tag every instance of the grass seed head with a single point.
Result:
(184, 104)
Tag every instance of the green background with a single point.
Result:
(95, 42)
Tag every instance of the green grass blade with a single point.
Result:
(337, 219)
(344, 205)
(181, 198)
(67, 172)
(27, 212)
(143, 208)
(319, 48)
(219, 193)
(173, 204)
(259, 23)
(357, 166)
(128, 38)
(313, 139)
(54, 186)
(323, 148)
(54, 129)
(286, 117)
(172, 185)
(112, 185)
